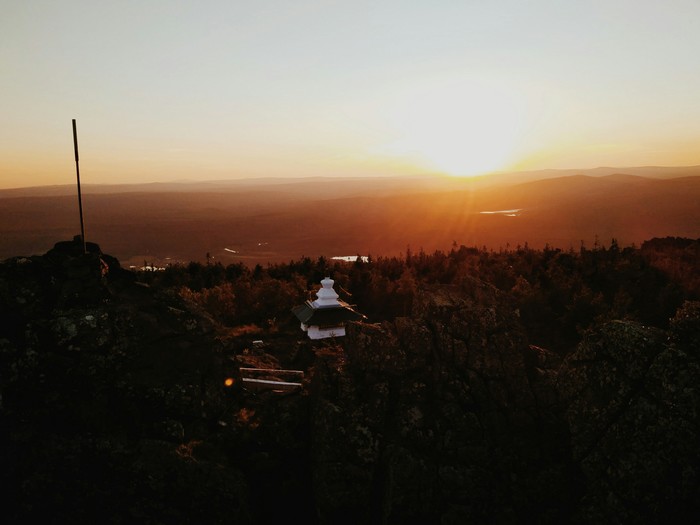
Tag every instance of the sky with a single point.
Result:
(222, 89)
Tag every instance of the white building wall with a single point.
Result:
(314, 332)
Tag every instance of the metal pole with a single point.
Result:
(80, 197)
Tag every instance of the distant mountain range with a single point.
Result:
(336, 186)
(269, 220)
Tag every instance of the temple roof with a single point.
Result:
(326, 316)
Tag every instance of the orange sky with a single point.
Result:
(218, 89)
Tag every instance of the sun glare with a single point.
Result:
(460, 128)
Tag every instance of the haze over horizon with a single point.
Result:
(222, 90)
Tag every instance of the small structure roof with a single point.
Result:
(326, 316)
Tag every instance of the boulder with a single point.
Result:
(631, 395)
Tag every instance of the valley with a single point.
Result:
(264, 222)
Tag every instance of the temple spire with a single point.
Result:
(327, 315)
(326, 295)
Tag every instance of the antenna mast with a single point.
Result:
(80, 197)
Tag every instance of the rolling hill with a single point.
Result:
(278, 220)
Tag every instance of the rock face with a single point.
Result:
(447, 417)
(106, 387)
(632, 395)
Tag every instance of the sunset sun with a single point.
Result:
(460, 128)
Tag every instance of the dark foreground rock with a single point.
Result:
(106, 388)
(632, 395)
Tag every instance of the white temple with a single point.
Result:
(327, 315)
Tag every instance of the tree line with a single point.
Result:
(559, 294)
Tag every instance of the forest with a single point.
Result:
(558, 294)
(519, 385)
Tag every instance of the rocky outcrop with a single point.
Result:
(631, 395)
(108, 390)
